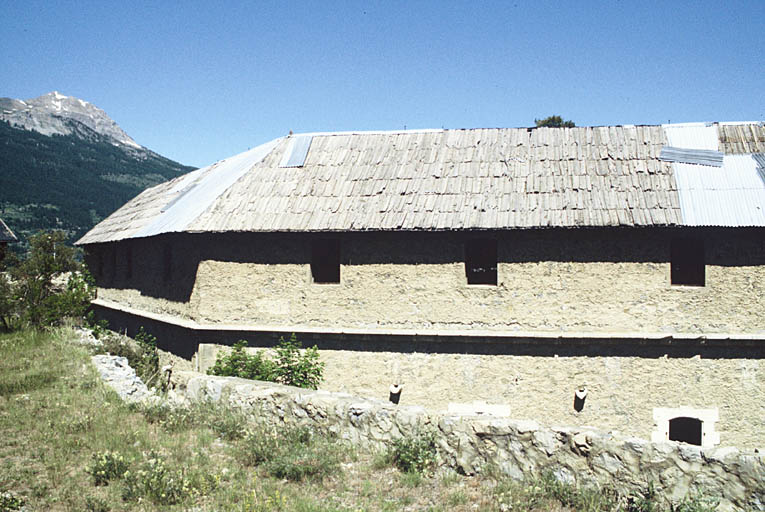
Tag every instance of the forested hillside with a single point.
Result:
(71, 182)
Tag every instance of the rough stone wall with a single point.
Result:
(621, 391)
(518, 448)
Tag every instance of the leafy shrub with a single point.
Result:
(416, 453)
(648, 500)
(240, 364)
(547, 492)
(9, 500)
(227, 421)
(96, 504)
(100, 328)
(295, 369)
(295, 454)
(122, 346)
(149, 363)
(37, 299)
(157, 483)
(72, 302)
(643, 501)
(696, 503)
(172, 419)
(290, 366)
(259, 446)
(107, 466)
(257, 502)
(141, 353)
(9, 305)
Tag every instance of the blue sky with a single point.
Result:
(201, 81)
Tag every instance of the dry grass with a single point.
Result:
(56, 416)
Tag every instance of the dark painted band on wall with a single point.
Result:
(184, 340)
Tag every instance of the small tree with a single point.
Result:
(554, 122)
(8, 303)
(38, 299)
(295, 369)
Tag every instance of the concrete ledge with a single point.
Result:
(183, 336)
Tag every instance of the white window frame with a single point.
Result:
(708, 418)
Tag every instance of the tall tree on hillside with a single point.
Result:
(554, 122)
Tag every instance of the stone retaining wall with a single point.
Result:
(520, 449)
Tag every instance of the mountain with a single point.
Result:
(50, 114)
(65, 164)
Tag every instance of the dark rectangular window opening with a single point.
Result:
(167, 263)
(325, 260)
(688, 262)
(98, 263)
(111, 265)
(481, 261)
(129, 262)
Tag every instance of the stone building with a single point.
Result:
(607, 276)
(6, 237)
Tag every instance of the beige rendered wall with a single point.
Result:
(553, 281)
(586, 280)
(622, 392)
(556, 280)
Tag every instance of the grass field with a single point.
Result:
(68, 443)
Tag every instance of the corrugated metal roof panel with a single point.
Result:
(759, 158)
(297, 150)
(732, 195)
(183, 212)
(691, 156)
(692, 136)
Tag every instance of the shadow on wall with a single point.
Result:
(165, 266)
(184, 341)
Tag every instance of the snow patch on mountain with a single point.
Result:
(52, 113)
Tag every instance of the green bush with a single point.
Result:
(149, 363)
(295, 454)
(240, 364)
(295, 369)
(227, 421)
(9, 304)
(649, 501)
(100, 328)
(9, 500)
(157, 483)
(96, 504)
(107, 466)
(290, 366)
(38, 300)
(141, 353)
(171, 419)
(416, 453)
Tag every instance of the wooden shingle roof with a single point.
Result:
(430, 180)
